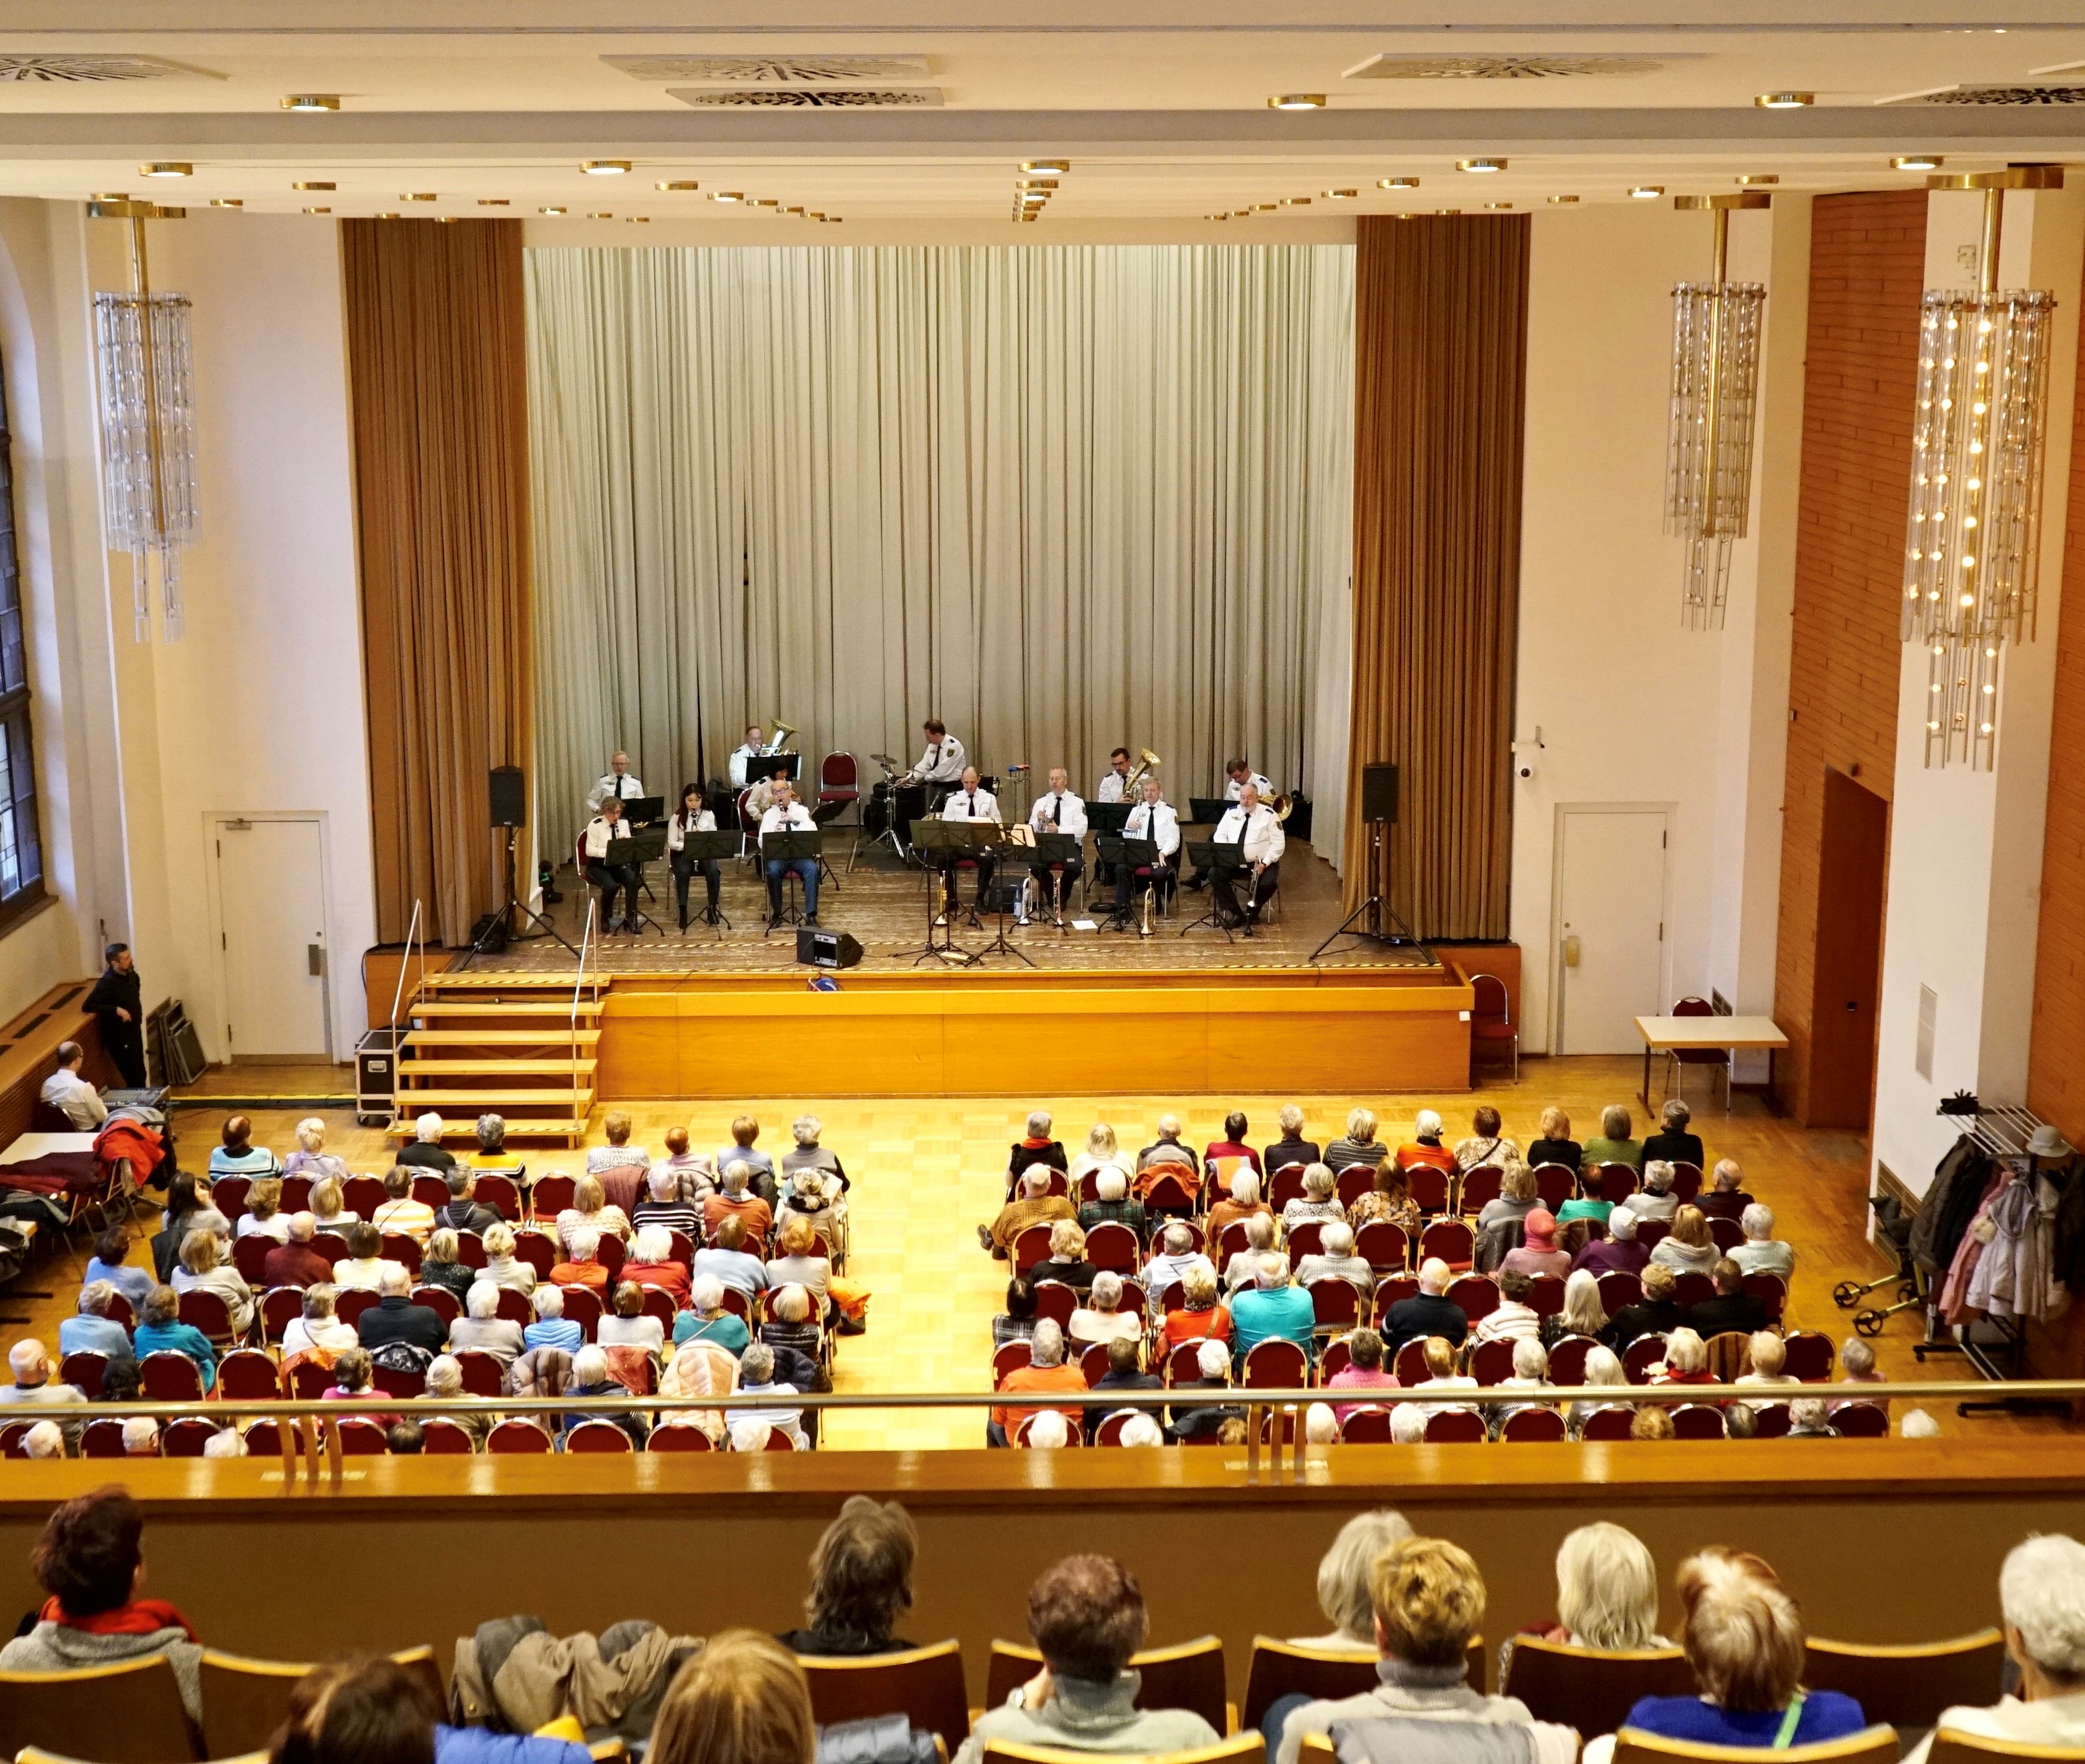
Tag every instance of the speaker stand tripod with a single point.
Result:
(1373, 911)
(502, 921)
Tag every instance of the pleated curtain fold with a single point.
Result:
(1440, 328)
(437, 374)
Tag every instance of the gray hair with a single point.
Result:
(1685, 1351)
(664, 1181)
(1035, 1180)
(1272, 1273)
(585, 1243)
(1338, 1239)
(1321, 1427)
(1048, 1430)
(141, 1434)
(482, 1300)
(1141, 1430)
(1109, 1183)
(1343, 1571)
(550, 1301)
(1657, 1176)
(1428, 1123)
(1318, 1181)
(706, 1294)
(44, 1440)
(224, 1443)
(1039, 1124)
(1178, 1239)
(806, 1129)
(1407, 1425)
(756, 1366)
(1857, 1358)
(1244, 1187)
(1919, 1425)
(1603, 1366)
(590, 1366)
(1806, 1413)
(1730, 1173)
(1260, 1230)
(491, 1131)
(1756, 1221)
(653, 1243)
(1290, 1120)
(1674, 1114)
(1213, 1359)
(1107, 1290)
(1168, 1127)
(429, 1128)
(1530, 1358)
(94, 1298)
(445, 1374)
(1045, 1347)
(1606, 1588)
(792, 1304)
(736, 1176)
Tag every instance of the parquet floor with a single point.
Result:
(926, 1172)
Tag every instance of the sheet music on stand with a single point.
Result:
(938, 844)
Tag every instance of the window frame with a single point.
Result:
(17, 718)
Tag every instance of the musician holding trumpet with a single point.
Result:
(1152, 818)
(1059, 811)
(1254, 827)
(968, 802)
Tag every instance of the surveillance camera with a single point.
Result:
(1524, 769)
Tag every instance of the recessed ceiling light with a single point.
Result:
(388, 214)
(1917, 162)
(1785, 100)
(638, 220)
(417, 196)
(311, 102)
(1757, 180)
(798, 212)
(1397, 183)
(601, 214)
(167, 168)
(1263, 208)
(1046, 167)
(763, 201)
(1555, 200)
(315, 184)
(816, 213)
(678, 183)
(318, 211)
(1297, 100)
(603, 167)
(215, 202)
(1037, 184)
(492, 202)
(1447, 210)
(1479, 165)
(1498, 205)
(727, 195)
(1644, 193)
(1341, 196)
(553, 210)
(1295, 201)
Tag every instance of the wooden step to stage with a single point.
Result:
(568, 1128)
(509, 981)
(500, 1038)
(518, 1097)
(564, 1065)
(560, 1009)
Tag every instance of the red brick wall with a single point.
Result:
(2056, 1058)
(1867, 270)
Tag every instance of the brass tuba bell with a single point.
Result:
(1147, 762)
(782, 740)
(1283, 805)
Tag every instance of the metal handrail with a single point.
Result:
(578, 983)
(412, 938)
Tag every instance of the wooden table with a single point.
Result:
(1662, 1034)
(28, 1146)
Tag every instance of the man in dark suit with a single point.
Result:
(1122, 1374)
(394, 1317)
(118, 1003)
(1430, 1312)
(1657, 1315)
(1732, 1307)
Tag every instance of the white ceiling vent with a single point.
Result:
(772, 70)
(1444, 66)
(807, 98)
(92, 70)
(1999, 96)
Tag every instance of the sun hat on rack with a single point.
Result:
(2045, 1141)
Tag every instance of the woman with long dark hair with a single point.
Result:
(691, 817)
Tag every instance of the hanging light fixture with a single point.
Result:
(147, 399)
(1979, 434)
(1715, 385)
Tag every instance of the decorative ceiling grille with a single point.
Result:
(91, 70)
(771, 70)
(2002, 95)
(1503, 66)
(800, 98)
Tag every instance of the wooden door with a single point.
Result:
(1852, 863)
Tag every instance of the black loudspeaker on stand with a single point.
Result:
(1379, 815)
(507, 799)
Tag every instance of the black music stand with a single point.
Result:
(822, 814)
(938, 843)
(1114, 849)
(1057, 849)
(1104, 818)
(1005, 880)
(890, 835)
(766, 765)
(1216, 859)
(646, 845)
(720, 848)
(787, 848)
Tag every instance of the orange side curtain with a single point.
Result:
(437, 370)
(1440, 380)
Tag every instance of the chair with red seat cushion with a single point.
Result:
(84, 1371)
(1382, 1245)
(1353, 1182)
(611, 1253)
(1727, 1234)
(296, 1194)
(248, 1254)
(1698, 1420)
(1477, 1295)
(1183, 1364)
(1008, 1356)
(207, 1312)
(331, 1247)
(482, 1374)
(1366, 1426)
(517, 1436)
(228, 1194)
(264, 1439)
(1455, 1427)
(1545, 1295)
(1619, 1290)
(440, 1437)
(1031, 1245)
(583, 1306)
(445, 1304)
(1451, 1240)
(1772, 1422)
(1392, 1289)
(400, 1249)
(1861, 1421)
(1491, 1362)
(597, 1435)
(363, 1195)
(1109, 1433)
(1616, 1183)
(665, 1438)
(1276, 1364)
(1306, 1239)
(1231, 1241)
(1410, 1365)
(396, 1381)
(14, 1439)
(1429, 1185)
(102, 1438)
(839, 777)
(538, 1249)
(1641, 1355)
(1094, 1363)
(1567, 1360)
(247, 1374)
(1690, 1289)
(1555, 1183)
(309, 1381)
(1533, 1426)
(1337, 1356)
(1613, 1423)
(1492, 1026)
(430, 1191)
(1686, 1182)
(1810, 1356)
(659, 1302)
(1168, 1298)
(1056, 1301)
(551, 1195)
(1133, 1303)
(362, 1438)
(1114, 1248)
(1650, 1233)
(512, 1307)
(186, 1436)
(349, 1304)
(1480, 1188)
(1772, 1291)
(1681, 1058)
(1336, 1304)
(742, 1307)
(499, 1192)
(1287, 1185)
(119, 1310)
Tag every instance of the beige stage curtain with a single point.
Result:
(1061, 497)
(1440, 327)
(436, 366)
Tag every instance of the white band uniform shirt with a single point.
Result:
(1261, 834)
(942, 762)
(608, 867)
(1234, 788)
(678, 827)
(1065, 806)
(600, 832)
(624, 789)
(790, 818)
(761, 798)
(977, 805)
(794, 818)
(1156, 821)
(1110, 786)
(741, 768)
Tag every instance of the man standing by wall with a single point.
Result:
(118, 1000)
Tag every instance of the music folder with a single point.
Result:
(641, 811)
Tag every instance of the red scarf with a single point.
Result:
(140, 1617)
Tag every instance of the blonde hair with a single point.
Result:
(1690, 1226)
(588, 1196)
(617, 1126)
(1343, 1594)
(1768, 1355)
(1519, 1184)
(1198, 1287)
(326, 1200)
(742, 1700)
(1741, 1632)
(1429, 1600)
(264, 1200)
(796, 1237)
(311, 1133)
(1606, 1588)
(1556, 1124)
(1440, 1356)
(1361, 1126)
(199, 1252)
(1101, 1142)
(499, 1238)
(1685, 1352)
(1068, 1242)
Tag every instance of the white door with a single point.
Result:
(271, 919)
(1610, 927)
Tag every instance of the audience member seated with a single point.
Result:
(1272, 1310)
(618, 1165)
(1537, 1253)
(1726, 1197)
(90, 1563)
(807, 1153)
(651, 1264)
(442, 1265)
(741, 1700)
(792, 1321)
(94, 1331)
(1429, 1600)
(1390, 1200)
(46, 1439)
(1441, 1375)
(1141, 1430)
(1655, 1199)
(1046, 1370)
(1769, 1359)
(1607, 1593)
(2041, 1597)
(1100, 1318)
(706, 1320)
(1291, 1148)
(1486, 1146)
(1174, 1257)
(1067, 1261)
(493, 1153)
(187, 1210)
(503, 1267)
(744, 1130)
(1125, 1372)
(1617, 1253)
(1184, 1425)
(1199, 1317)
(861, 1582)
(1037, 1148)
(1518, 1196)
(584, 1266)
(1166, 1149)
(311, 1159)
(729, 1260)
(363, 1267)
(1337, 1261)
(30, 1365)
(1428, 1312)
(1650, 1422)
(1808, 1418)
(1319, 1200)
(1689, 1248)
(1512, 1318)
(1102, 1151)
(1761, 1253)
(1603, 1367)
(1530, 1371)
(426, 1150)
(1086, 1617)
(1407, 1425)
(238, 1155)
(1672, 1143)
(329, 1210)
(673, 1196)
(1359, 1145)
(354, 1381)
(1612, 1144)
(1343, 1586)
(1582, 1313)
(67, 1092)
(319, 1331)
(204, 1268)
(816, 1197)
(552, 1328)
(1743, 1639)
(1857, 1365)
(1654, 1314)
(1258, 1255)
(394, 1317)
(445, 1384)
(1364, 1371)
(264, 1216)
(1556, 1145)
(590, 1211)
(1017, 1323)
(1114, 1205)
(1426, 1150)
(1233, 1144)
(1686, 1361)
(110, 1262)
(1242, 1202)
(1733, 1308)
(481, 1330)
(756, 1378)
(1032, 1204)
(398, 1211)
(590, 1378)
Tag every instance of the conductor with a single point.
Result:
(117, 1003)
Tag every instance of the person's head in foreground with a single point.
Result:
(90, 1557)
(2041, 1592)
(1086, 1615)
(1428, 1600)
(369, 1712)
(1741, 1632)
(861, 1574)
(742, 1700)
(1343, 1592)
(1606, 1588)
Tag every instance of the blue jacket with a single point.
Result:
(177, 1338)
(478, 1745)
(1827, 1715)
(1260, 1314)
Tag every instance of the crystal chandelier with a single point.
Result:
(1979, 431)
(147, 385)
(1715, 386)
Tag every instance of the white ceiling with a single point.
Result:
(1161, 106)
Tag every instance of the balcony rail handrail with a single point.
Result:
(412, 938)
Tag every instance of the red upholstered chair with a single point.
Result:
(119, 1311)
(1618, 1291)
(1772, 1422)
(551, 1195)
(400, 1249)
(1056, 1301)
(1681, 1058)
(1532, 1426)
(309, 1381)
(14, 1439)
(1555, 1183)
(1545, 1296)
(296, 1195)
(1860, 1421)
(1650, 1233)
(1491, 1362)
(742, 1307)
(680, 1248)
(206, 1312)
(348, 1306)
(228, 1194)
(659, 1302)
(1641, 1354)
(1450, 1240)
(1477, 1295)
(1430, 1187)
(1168, 1298)
(1567, 1360)
(1455, 1427)
(1229, 1243)
(1366, 1426)
(1492, 1027)
(1109, 1433)
(583, 1306)
(1112, 1247)
(396, 1381)
(538, 1249)
(839, 778)
(597, 1436)
(430, 1190)
(1697, 1421)
(1353, 1182)
(1336, 1304)
(1810, 1356)
(1690, 1289)
(332, 1245)
(1288, 1185)
(1382, 1246)
(482, 1375)
(1276, 1364)
(363, 1195)
(682, 1439)
(517, 1436)
(611, 1253)
(1772, 1291)
(1727, 1234)
(1337, 1355)
(1410, 1365)
(1307, 1238)
(1393, 1289)
(83, 1371)
(1009, 1356)
(1094, 1363)
(362, 1438)
(443, 1302)
(1686, 1181)
(247, 1374)
(1610, 1423)
(1183, 1364)
(499, 1192)
(1617, 1183)
(186, 1436)
(441, 1438)
(1480, 1188)
(248, 1254)
(1030, 1246)
(102, 1438)
(512, 1307)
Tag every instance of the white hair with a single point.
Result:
(1756, 1221)
(141, 1434)
(590, 1366)
(806, 1129)
(585, 1243)
(1141, 1430)
(1047, 1429)
(1530, 1358)
(311, 1133)
(445, 1374)
(736, 1175)
(749, 1435)
(1107, 1290)
(1272, 1276)
(549, 1301)
(1768, 1355)
(482, 1300)
(1168, 1127)
(429, 1128)
(1407, 1425)
(1321, 1427)
(1919, 1425)
(1338, 1239)
(1213, 1359)
(1856, 1359)
(1622, 1225)
(28, 1359)
(94, 1298)
(1429, 1124)
(226, 1442)
(1657, 1176)
(1606, 1588)
(43, 1440)
(1685, 1351)
(1806, 1413)
(1290, 1120)
(1109, 1183)
(1603, 1366)
(1245, 1188)
(1035, 1180)
(706, 1293)
(1046, 1346)
(792, 1304)
(1039, 1124)
(653, 1243)
(1318, 1181)
(393, 1282)
(1178, 1239)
